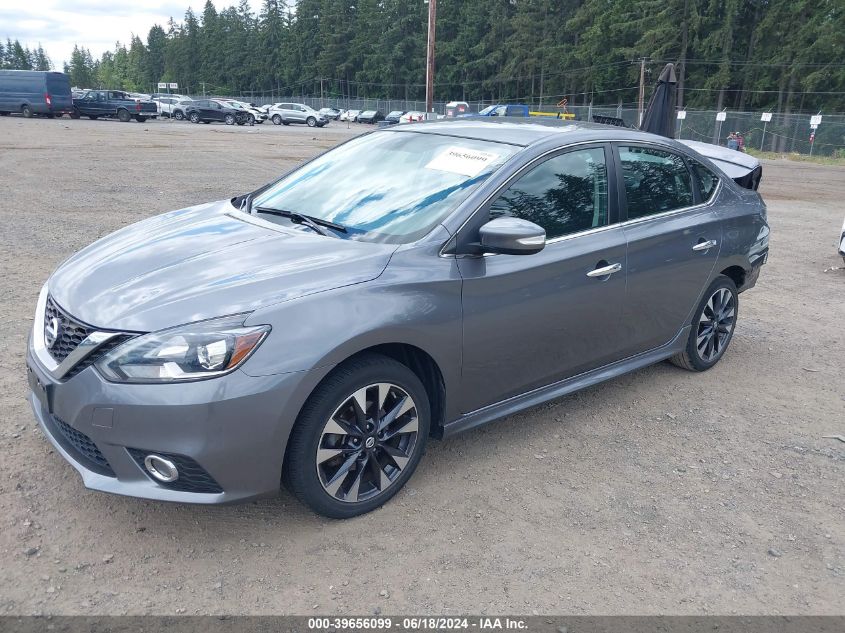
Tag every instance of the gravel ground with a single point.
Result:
(659, 492)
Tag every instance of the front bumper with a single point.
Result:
(234, 427)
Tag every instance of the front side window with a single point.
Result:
(655, 181)
(428, 176)
(564, 195)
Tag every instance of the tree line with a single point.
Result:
(14, 55)
(786, 55)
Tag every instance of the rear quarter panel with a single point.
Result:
(745, 231)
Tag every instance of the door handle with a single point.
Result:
(604, 271)
(704, 246)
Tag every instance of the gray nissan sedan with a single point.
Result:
(414, 282)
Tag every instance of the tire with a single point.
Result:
(178, 115)
(241, 122)
(277, 120)
(26, 111)
(311, 121)
(706, 345)
(365, 466)
(195, 117)
(4, 114)
(140, 119)
(93, 117)
(75, 114)
(229, 119)
(250, 119)
(285, 122)
(123, 116)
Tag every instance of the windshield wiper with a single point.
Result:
(312, 223)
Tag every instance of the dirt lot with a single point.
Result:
(659, 492)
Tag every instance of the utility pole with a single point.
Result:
(429, 63)
(642, 90)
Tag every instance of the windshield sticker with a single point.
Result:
(460, 160)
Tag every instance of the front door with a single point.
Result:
(674, 237)
(531, 320)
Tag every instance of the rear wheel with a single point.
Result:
(713, 327)
(229, 119)
(358, 438)
(195, 118)
(178, 115)
(123, 116)
(93, 117)
(26, 111)
(75, 114)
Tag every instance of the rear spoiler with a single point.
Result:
(744, 170)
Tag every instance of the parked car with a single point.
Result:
(287, 113)
(113, 104)
(526, 264)
(842, 242)
(511, 109)
(333, 114)
(211, 110)
(253, 114)
(32, 92)
(179, 109)
(350, 115)
(395, 116)
(455, 109)
(412, 117)
(370, 116)
(168, 106)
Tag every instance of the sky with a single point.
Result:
(94, 24)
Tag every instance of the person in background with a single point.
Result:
(733, 142)
(740, 139)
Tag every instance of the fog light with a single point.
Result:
(161, 468)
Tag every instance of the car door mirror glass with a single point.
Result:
(511, 236)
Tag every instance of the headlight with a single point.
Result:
(188, 352)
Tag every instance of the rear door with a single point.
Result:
(58, 87)
(674, 235)
(531, 320)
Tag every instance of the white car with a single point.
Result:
(257, 115)
(842, 242)
(350, 115)
(169, 106)
(412, 117)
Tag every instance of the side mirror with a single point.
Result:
(512, 236)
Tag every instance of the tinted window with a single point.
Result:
(655, 181)
(565, 194)
(707, 180)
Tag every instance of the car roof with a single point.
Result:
(522, 132)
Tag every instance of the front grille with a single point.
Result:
(192, 476)
(86, 451)
(71, 331)
(97, 354)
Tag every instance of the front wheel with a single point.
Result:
(140, 119)
(277, 120)
(311, 121)
(230, 119)
(195, 118)
(358, 438)
(713, 327)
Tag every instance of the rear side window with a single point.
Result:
(656, 181)
(564, 194)
(707, 180)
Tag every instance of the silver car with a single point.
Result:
(287, 113)
(320, 330)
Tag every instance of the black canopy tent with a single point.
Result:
(659, 117)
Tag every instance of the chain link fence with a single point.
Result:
(785, 133)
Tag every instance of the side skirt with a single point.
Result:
(569, 385)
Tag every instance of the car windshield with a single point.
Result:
(488, 109)
(429, 176)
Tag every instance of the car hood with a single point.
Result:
(204, 262)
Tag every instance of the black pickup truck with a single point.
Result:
(113, 103)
